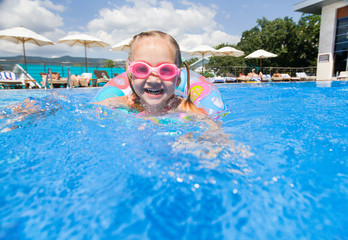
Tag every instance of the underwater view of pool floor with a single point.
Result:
(277, 168)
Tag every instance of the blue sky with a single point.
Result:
(191, 22)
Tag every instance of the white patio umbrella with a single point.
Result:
(261, 54)
(203, 50)
(183, 49)
(83, 40)
(21, 35)
(122, 46)
(230, 51)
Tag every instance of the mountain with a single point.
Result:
(58, 59)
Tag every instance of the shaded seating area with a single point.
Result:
(102, 77)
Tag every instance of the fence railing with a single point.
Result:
(237, 70)
(62, 67)
(78, 68)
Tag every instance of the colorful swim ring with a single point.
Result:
(204, 94)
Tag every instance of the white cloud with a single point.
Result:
(210, 38)
(31, 14)
(34, 15)
(48, 4)
(189, 23)
(194, 24)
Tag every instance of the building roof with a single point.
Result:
(313, 6)
(199, 63)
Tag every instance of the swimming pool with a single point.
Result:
(278, 169)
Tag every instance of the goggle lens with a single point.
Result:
(140, 70)
(167, 70)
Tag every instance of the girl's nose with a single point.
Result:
(154, 77)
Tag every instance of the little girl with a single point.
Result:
(153, 70)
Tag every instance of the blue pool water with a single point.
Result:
(276, 170)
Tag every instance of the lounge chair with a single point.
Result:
(280, 77)
(8, 79)
(246, 79)
(57, 80)
(231, 78)
(343, 75)
(286, 77)
(219, 80)
(83, 80)
(304, 77)
(266, 78)
(102, 77)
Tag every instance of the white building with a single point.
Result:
(333, 40)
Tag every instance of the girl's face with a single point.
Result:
(154, 92)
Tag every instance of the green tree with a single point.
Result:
(295, 44)
(277, 36)
(109, 64)
(308, 39)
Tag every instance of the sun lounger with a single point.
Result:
(343, 75)
(231, 79)
(82, 80)
(243, 79)
(248, 79)
(219, 80)
(102, 77)
(57, 80)
(304, 77)
(255, 79)
(286, 77)
(8, 79)
(266, 78)
(277, 77)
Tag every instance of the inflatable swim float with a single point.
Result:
(204, 94)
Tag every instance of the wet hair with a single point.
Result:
(187, 105)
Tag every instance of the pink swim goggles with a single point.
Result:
(166, 71)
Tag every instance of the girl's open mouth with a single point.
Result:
(153, 91)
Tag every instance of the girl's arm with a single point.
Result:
(112, 102)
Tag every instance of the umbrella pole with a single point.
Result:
(227, 65)
(203, 64)
(86, 57)
(260, 63)
(25, 58)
